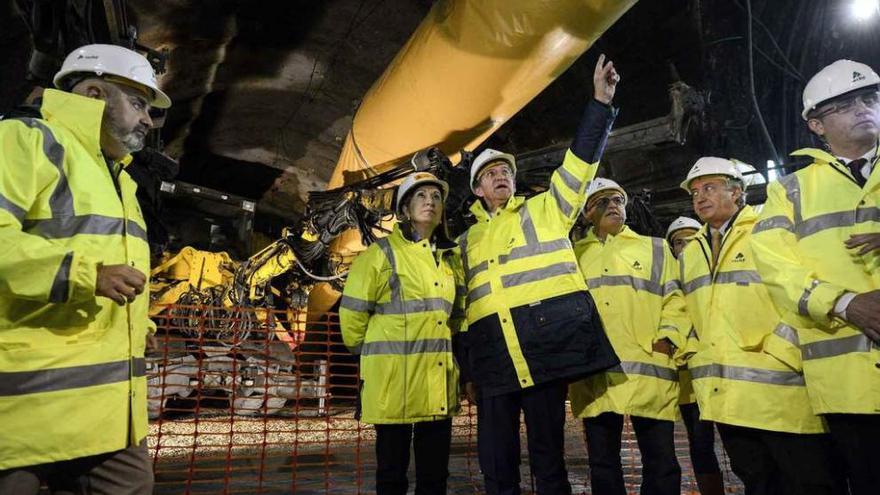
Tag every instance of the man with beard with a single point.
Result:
(817, 246)
(73, 304)
(532, 326)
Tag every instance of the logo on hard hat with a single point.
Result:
(87, 57)
(858, 76)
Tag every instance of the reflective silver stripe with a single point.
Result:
(397, 305)
(52, 380)
(16, 211)
(793, 193)
(569, 180)
(135, 230)
(836, 347)
(393, 280)
(355, 350)
(463, 247)
(804, 302)
(786, 332)
(657, 260)
(69, 226)
(554, 270)
(61, 200)
(671, 286)
(627, 280)
(61, 285)
(777, 222)
(535, 249)
(532, 247)
(563, 205)
(701, 281)
(527, 225)
(479, 292)
(477, 269)
(827, 221)
(355, 304)
(414, 306)
(636, 368)
(742, 373)
(406, 347)
(138, 366)
(740, 277)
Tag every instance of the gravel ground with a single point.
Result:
(334, 455)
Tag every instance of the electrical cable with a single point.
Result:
(754, 98)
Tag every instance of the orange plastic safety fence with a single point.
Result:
(256, 401)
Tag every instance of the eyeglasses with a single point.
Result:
(607, 200)
(497, 171)
(869, 100)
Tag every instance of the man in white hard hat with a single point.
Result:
(700, 433)
(634, 281)
(680, 232)
(73, 305)
(818, 249)
(746, 372)
(532, 326)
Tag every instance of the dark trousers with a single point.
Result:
(856, 438)
(661, 474)
(125, 472)
(430, 441)
(498, 439)
(701, 440)
(776, 463)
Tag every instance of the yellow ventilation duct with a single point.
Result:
(467, 69)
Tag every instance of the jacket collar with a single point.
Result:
(405, 235)
(625, 233)
(823, 157)
(744, 217)
(513, 204)
(79, 115)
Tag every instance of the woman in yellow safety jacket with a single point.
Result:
(399, 311)
(633, 281)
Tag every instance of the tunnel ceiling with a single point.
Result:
(265, 92)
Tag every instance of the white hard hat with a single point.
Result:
(600, 184)
(415, 180)
(837, 79)
(116, 61)
(750, 177)
(487, 157)
(711, 165)
(682, 223)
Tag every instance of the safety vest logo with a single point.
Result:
(739, 258)
(858, 76)
(637, 265)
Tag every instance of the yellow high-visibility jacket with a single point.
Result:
(72, 364)
(744, 372)
(530, 319)
(800, 251)
(400, 309)
(634, 281)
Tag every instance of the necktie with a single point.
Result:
(716, 246)
(855, 168)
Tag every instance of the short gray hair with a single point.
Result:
(730, 182)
